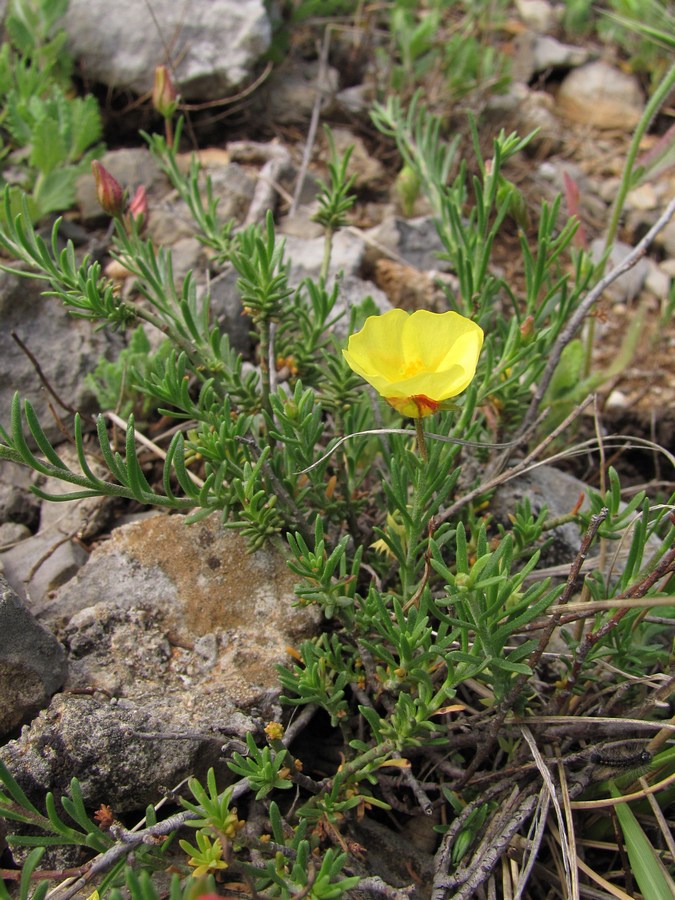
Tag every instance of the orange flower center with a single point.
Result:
(412, 368)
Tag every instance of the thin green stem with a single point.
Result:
(265, 362)
(327, 251)
(168, 132)
(655, 102)
(421, 440)
(408, 574)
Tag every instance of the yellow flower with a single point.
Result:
(417, 361)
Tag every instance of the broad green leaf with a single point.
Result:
(56, 191)
(48, 149)
(86, 126)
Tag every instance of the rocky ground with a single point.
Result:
(146, 658)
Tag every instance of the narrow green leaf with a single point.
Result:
(653, 880)
(16, 792)
(29, 866)
(41, 438)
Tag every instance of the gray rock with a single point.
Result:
(32, 662)
(65, 347)
(369, 172)
(11, 533)
(17, 504)
(524, 110)
(414, 241)
(550, 488)
(537, 14)
(41, 564)
(666, 239)
(559, 492)
(353, 292)
(658, 281)
(233, 188)
(227, 311)
(292, 91)
(123, 753)
(187, 254)
(215, 43)
(629, 285)
(132, 615)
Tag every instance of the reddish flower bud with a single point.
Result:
(138, 206)
(109, 191)
(164, 93)
(527, 329)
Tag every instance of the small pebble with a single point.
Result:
(616, 400)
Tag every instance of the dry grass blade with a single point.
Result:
(567, 845)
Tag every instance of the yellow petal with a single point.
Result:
(416, 361)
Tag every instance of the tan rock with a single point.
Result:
(600, 95)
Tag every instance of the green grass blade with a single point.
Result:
(653, 881)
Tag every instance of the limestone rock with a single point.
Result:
(32, 662)
(136, 618)
(628, 286)
(215, 43)
(549, 53)
(600, 95)
(537, 14)
(172, 632)
(353, 292)
(525, 110)
(306, 256)
(558, 492)
(369, 172)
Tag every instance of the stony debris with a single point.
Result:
(628, 286)
(48, 559)
(560, 493)
(550, 488)
(32, 662)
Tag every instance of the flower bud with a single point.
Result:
(164, 93)
(138, 206)
(109, 191)
(274, 731)
(527, 330)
